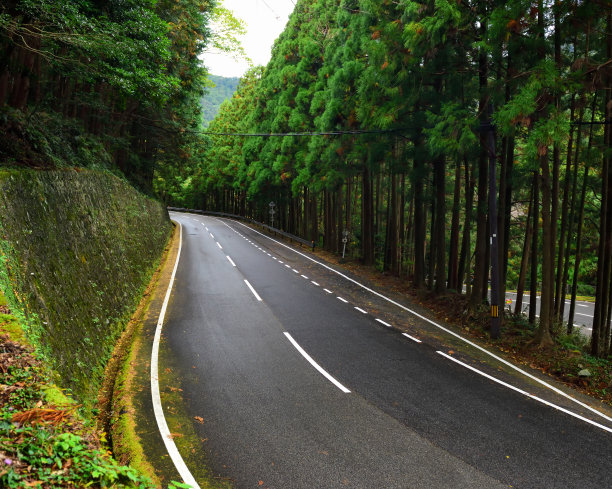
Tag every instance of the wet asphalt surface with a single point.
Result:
(412, 418)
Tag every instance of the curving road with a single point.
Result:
(302, 384)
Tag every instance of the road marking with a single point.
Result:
(220, 247)
(252, 290)
(361, 310)
(536, 398)
(383, 323)
(580, 314)
(294, 270)
(412, 338)
(328, 291)
(231, 261)
(314, 283)
(582, 305)
(268, 254)
(433, 323)
(158, 410)
(280, 261)
(205, 227)
(212, 235)
(341, 299)
(274, 258)
(288, 266)
(316, 365)
(304, 276)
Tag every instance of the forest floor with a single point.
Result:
(564, 361)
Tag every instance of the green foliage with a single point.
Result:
(222, 89)
(45, 453)
(424, 75)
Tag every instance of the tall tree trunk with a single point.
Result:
(479, 289)
(453, 253)
(599, 339)
(543, 337)
(578, 253)
(465, 254)
(533, 292)
(367, 218)
(419, 217)
(520, 289)
(440, 226)
(431, 262)
(561, 259)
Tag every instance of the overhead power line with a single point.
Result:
(301, 134)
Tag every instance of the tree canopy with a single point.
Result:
(423, 79)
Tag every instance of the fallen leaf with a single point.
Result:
(260, 483)
(199, 419)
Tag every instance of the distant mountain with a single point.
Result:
(224, 88)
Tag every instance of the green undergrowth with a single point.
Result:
(45, 442)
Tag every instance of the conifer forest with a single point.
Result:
(381, 118)
(416, 129)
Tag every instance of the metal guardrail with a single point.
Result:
(270, 229)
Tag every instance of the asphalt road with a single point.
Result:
(583, 315)
(369, 407)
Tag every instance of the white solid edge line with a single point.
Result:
(433, 323)
(164, 431)
(412, 338)
(252, 290)
(361, 310)
(230, 260)
(316, 365)
(383, 323)
(536, 398)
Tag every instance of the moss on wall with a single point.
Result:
(77, 249)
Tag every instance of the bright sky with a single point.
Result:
(265, 20)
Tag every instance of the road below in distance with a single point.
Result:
(303, 383)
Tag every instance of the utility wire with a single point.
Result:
(301, 134)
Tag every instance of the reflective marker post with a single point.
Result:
(272, 211)
(345, 234)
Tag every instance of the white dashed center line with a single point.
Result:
(252, 290)
(231, 261)
(361, 310)
(341, 299)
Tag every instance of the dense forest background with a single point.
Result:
(376, 118)
(223, 88)
(381, 119)
(114, 85)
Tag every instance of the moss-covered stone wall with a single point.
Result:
(76, 251)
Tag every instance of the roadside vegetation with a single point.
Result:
(44, 440)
